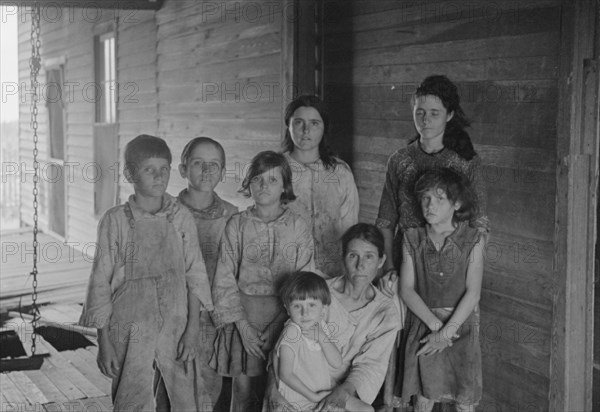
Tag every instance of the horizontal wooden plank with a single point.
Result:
(515, 69)
(535, 44)
(515, 308)
(472, 27)
(434, 12)
(28, 388)
(503, 382)
(46, 386)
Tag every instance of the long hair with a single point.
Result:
(455, 136)
(325, 153)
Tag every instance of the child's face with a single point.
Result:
(266, 189)
(437, 208)
(152, 177)
(307, 312)
(306, 128)
(204, 168)
(430, 116)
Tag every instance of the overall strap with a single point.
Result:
(129, 215)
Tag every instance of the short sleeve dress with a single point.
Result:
(453, 375)
(310, 366)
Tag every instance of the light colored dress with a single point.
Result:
(365, 338)
(144, 265)
(210, 223)
(328, 200)
(310, 366)
(255, 259)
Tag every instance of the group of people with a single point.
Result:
(293, 299)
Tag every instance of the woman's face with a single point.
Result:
(362, 260)
(430, 116)
(306, 128)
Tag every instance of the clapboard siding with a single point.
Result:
(136, 72)
(219, 76)
(504, 58)
(189, 69)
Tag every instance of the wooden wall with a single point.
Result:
(66, 38)
(504, 57)
(190, 69)
(219, 69)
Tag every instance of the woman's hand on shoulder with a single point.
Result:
(388, 283)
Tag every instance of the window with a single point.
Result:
(106, 84)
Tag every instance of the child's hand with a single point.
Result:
(266, 338)
(435, 342)
(388, 283)
(251, 339)
(107, 359)
(186, 349)
(314, 332)
(321, 395)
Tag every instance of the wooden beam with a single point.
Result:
(91, 4)
(576, 183)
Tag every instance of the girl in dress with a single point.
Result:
(440, 282)
(260, 248)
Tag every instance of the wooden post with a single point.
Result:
(576, 183)
(298, 44)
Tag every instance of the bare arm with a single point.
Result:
(331, 352)
(410, 296)
(470, 299)
(107, 357)
(287, 375)
(186, 349)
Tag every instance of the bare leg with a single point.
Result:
(461, 407)
(241, 390)
(423, 404)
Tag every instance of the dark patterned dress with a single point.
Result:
(399, 208)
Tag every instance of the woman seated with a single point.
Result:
(361, 321)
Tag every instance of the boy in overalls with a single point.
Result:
(147, 288)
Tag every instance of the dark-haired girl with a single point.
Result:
(327, 197)
(259, 249)
(440, 282)
(441, 142)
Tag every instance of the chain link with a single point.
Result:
(34, 66)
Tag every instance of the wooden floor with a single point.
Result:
(68, 380)
(63, 271)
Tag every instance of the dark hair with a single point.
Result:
(145, 147)
(456, 186)
(265, 161)
(455, 137)
(325, 153)
(191, 145)
(364, 231)
(303, 285)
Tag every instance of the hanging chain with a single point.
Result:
(34, 66)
